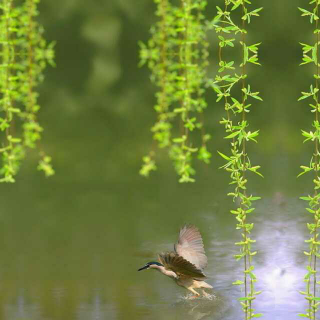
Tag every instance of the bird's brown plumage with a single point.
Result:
(190, 246)
(183, 268)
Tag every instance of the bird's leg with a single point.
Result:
(197, 294)
(205, 294)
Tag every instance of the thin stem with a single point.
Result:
(163, 100)
(234, 147)
(316, 168)
(30, 57)
(247, 259)
(8, 53)
(164, 49)
(203, 55)
(187, 59)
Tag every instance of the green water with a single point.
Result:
(74, 254)
(71, 245)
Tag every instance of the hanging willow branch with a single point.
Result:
(229, 83)
(177, 56)
(24, 55)
(311, 55)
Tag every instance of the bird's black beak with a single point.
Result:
(145, 267)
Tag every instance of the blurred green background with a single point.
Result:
(71, 245)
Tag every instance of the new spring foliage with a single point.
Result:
(176, 55)
(24, 55)
(311, 55)
(232, 89)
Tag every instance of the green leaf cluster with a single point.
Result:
(24, 55)
(177, 56)
(230, 81)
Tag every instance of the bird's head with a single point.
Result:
(151, 265)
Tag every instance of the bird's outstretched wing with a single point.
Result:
(172, 261)
(190, 246)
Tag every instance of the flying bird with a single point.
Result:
(186, 263)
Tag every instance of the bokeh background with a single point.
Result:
(71, 245)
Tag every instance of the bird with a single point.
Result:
(186, 263)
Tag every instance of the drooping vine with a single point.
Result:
(311, 55)
(177, 56)
(24, 55)
(232, 88)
